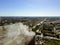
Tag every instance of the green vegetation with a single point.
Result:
(36, 28)
(52, 42)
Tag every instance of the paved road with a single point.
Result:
(48, 37)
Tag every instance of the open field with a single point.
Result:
(52, 42)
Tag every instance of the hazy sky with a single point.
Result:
(29, 7)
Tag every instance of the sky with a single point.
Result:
(29, 7)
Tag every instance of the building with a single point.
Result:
(39, 38)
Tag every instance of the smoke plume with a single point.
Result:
(17, 34)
